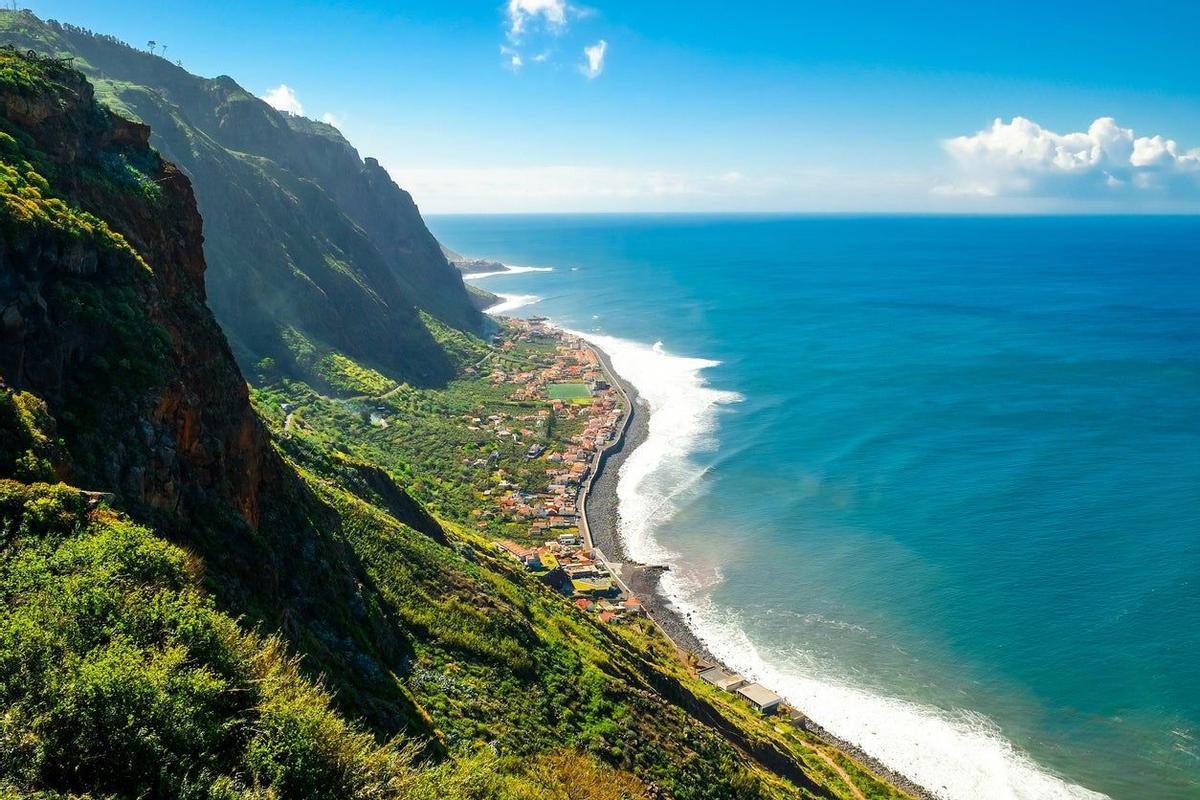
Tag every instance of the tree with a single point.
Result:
(152, 44)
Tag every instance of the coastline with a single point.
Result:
(601, 511)
(600, 507)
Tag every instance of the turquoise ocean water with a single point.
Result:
(935, 479)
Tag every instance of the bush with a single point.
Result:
(118, 675)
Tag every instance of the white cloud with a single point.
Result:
(512, 58)
(1023, 158)
(283, 98)
(336, 120)
(595, 59)
(553, 13)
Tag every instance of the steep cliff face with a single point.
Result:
(115, 377)
(306, 243)
(102, 291)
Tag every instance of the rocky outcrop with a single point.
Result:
(101, 331)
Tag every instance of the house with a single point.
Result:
(632, 605)
(583, 604)
(568, 539)
(525, 555)
(596, 587)
(723, 679)
(607, 617)
(762, 698)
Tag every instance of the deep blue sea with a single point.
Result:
(937, 480)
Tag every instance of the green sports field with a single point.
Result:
(569, 392)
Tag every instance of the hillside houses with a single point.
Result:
(593, 415)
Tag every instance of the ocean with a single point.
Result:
(934, 479)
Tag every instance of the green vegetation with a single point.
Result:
(118, 675)
(29, 209)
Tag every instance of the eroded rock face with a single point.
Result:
(83, 324)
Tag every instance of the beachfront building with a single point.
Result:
(762, 698)
(723, 679)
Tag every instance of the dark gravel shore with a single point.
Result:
(643, 580)
(602, 520)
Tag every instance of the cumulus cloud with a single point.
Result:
(1023, 158)
(283, 98)
(594, 64)
(329, 118)
(523, 13)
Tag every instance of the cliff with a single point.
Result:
(310, 248)
(107, 344)
(100, 316)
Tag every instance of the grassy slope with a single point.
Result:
(536, 671)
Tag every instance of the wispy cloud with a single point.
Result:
(594, 56)
(283, 98)
(1021, 157)
(512, 58)
(522, 14)
(336, 120)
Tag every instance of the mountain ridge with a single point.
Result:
(348, 262)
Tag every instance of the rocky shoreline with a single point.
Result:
(602, 513)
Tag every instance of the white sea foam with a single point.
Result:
(509, 269)
(958, 756)
(683, 414)
(511, 302)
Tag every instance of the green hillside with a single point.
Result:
(202, 599)
(305, 241)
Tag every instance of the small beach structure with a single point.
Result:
(762, 698)
(723, 679)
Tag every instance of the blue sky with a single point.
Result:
(752, 106)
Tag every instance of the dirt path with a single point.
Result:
(828, 759)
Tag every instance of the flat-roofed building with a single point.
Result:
(762, 698)
(723, 679)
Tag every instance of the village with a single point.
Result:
(576, 387)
